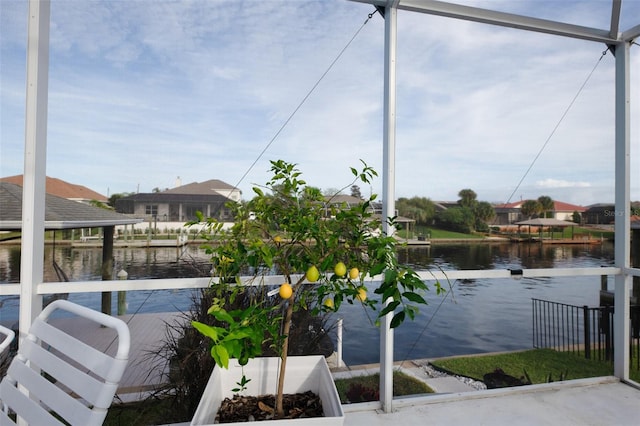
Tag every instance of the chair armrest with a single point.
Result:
(6, 341)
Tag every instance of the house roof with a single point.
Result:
(59, 213)
(62, 189)
(558, 206)
(600, 206)
(342, 198)
(202, 188)
(166, 197)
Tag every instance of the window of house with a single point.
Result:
(151, 209)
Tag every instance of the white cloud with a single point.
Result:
(559, 183)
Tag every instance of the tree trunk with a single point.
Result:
(283, 357)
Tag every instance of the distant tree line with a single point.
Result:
(467, 216)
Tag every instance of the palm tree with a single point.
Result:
(484, 211)
(546, 204)
(530, 208)
(468, 198)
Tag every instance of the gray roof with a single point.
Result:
(547, 222)
(59, 213)
(165, 197)
(202, 188)
(342, 198)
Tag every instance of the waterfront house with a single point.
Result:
(510, 213)
(180, 204)
(605, 213)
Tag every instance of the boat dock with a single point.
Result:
(578, 240)
(97, 243)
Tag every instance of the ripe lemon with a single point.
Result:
(312, 274)
(354, 273)
(340, 269)
(285, 291)
(362, 294)
(329, 303)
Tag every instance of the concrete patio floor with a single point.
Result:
(600, 401)
(603, 401)
(597, 401)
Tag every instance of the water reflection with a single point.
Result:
(499, 256)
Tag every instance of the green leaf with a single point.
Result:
(234, 348)
(237, 335)
(390, 276)
(220, 355)
(376, 269)
(207, 330)
(389, 308)
(414, 297)
(397, 319)
(411, 311)
(390, 291)
(222, 315)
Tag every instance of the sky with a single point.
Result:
(145, 93)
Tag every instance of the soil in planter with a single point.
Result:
(258, 408)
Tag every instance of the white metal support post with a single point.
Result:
(622, 212)
(35, 158)
(388, 190)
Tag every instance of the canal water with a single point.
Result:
(475, 316)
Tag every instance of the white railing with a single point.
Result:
(185, 283)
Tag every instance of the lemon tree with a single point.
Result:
(324, 251)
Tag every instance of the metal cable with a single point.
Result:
(566, 111)
(304, 99)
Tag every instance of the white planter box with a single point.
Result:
(304, 373)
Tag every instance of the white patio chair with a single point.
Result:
(6, 340)
(62, 374)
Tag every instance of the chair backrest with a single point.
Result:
(7, 339)
(64, 377)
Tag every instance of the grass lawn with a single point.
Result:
(542, 365)
(366, 386)
(150, 412)
(432, 233)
